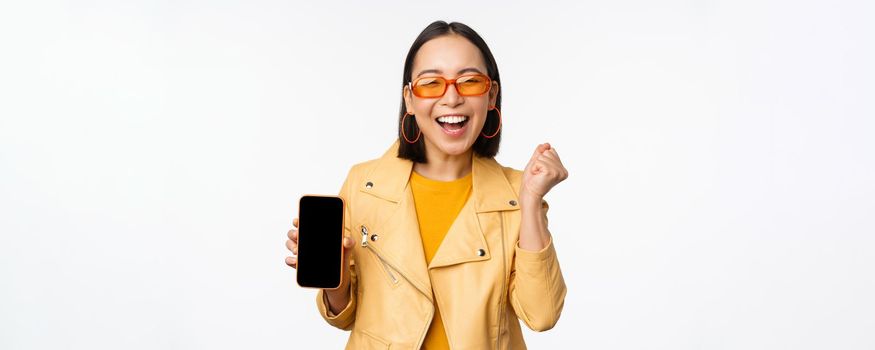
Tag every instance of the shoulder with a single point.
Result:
(514, 176)
(362, 168)
(359, 171)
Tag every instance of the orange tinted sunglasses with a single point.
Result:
(466, 85)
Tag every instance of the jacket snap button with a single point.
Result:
(374, 237)
(481, 252)
(369, 184)
(512, 202)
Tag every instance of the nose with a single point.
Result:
(451, 98)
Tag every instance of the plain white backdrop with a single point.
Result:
(721, 162)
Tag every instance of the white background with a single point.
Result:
(721, 157)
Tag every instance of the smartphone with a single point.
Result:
(320, 241)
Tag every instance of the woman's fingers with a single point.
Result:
(552, 156)
(293, 235)
(549, 162)
(538, 150)
(551, 153)
(292, 246)
(553, 167)
(292, 261)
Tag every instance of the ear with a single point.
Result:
(493, 93)
(408, 98)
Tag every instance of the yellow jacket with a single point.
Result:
(483, 280)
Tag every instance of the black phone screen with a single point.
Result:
(320, 241)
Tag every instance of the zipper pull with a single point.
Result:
(364, 236)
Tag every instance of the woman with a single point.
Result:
(450, 247)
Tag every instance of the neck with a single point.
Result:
(444, 167)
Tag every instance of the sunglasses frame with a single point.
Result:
(453, 83)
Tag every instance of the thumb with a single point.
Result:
(347, 245)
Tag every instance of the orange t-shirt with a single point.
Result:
(437, 205)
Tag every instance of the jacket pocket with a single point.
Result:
(362, 340)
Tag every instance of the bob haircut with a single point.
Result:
(483, 147)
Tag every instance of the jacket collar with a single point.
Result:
(491, 190)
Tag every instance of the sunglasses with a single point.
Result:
(466, 85)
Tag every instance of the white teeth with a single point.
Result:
(452, 119)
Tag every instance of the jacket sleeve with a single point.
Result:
(537, 288)
(345, 319)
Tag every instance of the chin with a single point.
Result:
(455, 148)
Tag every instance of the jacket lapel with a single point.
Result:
(399, 240)
(490, 191)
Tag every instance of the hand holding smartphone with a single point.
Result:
(319, 243)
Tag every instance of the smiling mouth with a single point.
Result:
(452, 123)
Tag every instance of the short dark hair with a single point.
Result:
(483, 147)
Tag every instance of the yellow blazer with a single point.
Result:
(480, 277)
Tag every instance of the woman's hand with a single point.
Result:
(337, 298)
(544, 171)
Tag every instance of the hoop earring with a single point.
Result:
(403, 134)
(499, 124)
